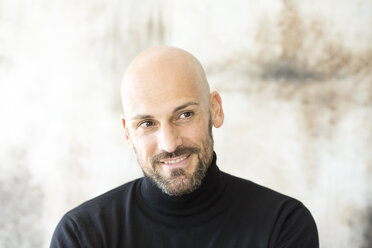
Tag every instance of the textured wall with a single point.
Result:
(296, 83)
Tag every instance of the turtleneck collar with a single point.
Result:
(201, 199)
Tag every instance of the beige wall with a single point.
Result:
(296, 83)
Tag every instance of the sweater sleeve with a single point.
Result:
(296, 229)
(66, 234)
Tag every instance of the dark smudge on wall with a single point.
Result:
(306, 51)
(21, 205)
(368, 229)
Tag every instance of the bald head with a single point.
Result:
(168, 117)
(160, 70)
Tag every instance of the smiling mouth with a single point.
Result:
(175, 161)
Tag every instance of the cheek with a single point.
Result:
(145, 145)
(195, 134)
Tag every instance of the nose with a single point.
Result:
(169, 138)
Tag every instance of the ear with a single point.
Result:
(216, 109)
(126, 132)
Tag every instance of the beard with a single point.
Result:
(181, 182)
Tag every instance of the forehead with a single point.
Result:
(159, 89)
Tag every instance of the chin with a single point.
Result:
(181, 182)
(180, 186)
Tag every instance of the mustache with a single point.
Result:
(178, 152)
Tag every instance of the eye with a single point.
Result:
(145, 124)
(186, 115)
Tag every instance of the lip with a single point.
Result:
(184, 159)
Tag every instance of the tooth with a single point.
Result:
(175, 161)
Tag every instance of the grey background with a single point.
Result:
(295, 79)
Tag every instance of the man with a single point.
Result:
(183, 200)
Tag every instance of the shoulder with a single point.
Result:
(286, 219)
(253, 201)
(86, 223)
(109, 201)
(105, 208)
(251, 192)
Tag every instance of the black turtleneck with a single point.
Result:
(225, 211)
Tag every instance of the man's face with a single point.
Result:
(172, 137)
(168, 124)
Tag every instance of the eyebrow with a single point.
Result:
(140, 117)
(185, 105)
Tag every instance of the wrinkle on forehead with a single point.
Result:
(164, 70)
